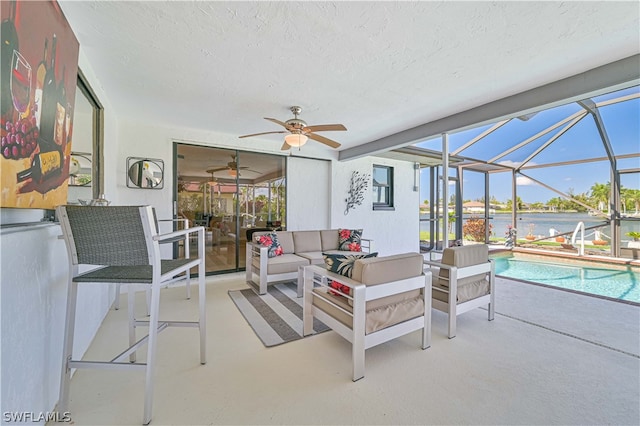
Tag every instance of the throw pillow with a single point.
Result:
(271, 241)
(349, 239)
(341, 289)
(343, 263)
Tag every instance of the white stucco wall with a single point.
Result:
(308, 194)
(33, 294)
(394, 231)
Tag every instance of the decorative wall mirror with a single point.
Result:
(145, 173)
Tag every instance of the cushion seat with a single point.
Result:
(384, 313)
(314, 257)
(467, 291)
(283, 264)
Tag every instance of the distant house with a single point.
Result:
(476, 207)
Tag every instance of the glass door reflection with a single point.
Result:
(229, 192)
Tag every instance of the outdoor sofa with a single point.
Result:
(298, 249)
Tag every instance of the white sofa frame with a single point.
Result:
(452, 308)
(319, 276)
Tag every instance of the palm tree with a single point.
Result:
(600, 194)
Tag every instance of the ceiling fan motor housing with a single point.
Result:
(295, 125)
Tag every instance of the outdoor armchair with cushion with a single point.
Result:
(385, 298)
(464, 279)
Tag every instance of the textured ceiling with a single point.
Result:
(377, 67)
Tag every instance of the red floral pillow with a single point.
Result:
(271, 241)
(343, 289)
(349, 239)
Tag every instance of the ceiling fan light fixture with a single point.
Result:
(233, 172)
(296, 139)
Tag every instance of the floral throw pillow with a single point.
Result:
(343, 263)
(341, 289)
(271, 241)
(349, 239)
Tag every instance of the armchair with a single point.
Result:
(121, 244)
(464, 279)
(385, 298)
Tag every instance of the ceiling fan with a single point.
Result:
(298, 132)
(231, 167)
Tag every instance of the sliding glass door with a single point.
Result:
(229, 192)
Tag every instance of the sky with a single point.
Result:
(582, 141)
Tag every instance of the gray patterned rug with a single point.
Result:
(276, 317)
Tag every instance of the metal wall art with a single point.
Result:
(357, 188)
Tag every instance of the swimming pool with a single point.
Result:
(615, 281)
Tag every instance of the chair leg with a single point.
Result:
(131, 303)
(358, 330)
(67, 346)
(116, 303)
(358, 361)
(188, 285)
(307, 315)
(426, 330)
(202, 302)
(148, 299)
(300, 282)
(491, 311)
(151, 353)
(452, 322)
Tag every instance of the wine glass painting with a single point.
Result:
(39, 74)
(20, 83)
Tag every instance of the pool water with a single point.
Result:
(616, 281)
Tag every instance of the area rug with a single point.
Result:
(276, 317)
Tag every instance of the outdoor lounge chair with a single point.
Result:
(464, 279)
(387, 297)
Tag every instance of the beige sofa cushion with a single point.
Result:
(464, 293)
(378, 317)
(314, 257)
(329, 239)
(463, 256)
(285, 238)
(282, 264)
(379, 270)
(307, 241)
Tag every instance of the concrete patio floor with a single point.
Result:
(549, 357)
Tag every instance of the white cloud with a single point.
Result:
(521, 180)
(515, 164)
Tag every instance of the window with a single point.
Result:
(86, 179)
(382, 187)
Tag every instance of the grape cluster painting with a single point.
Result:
(39, 67)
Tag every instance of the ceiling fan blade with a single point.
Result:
(263, 133)
(277, 122)
(285, 146)
(217, 170)
(322, 139)
(324, 128)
